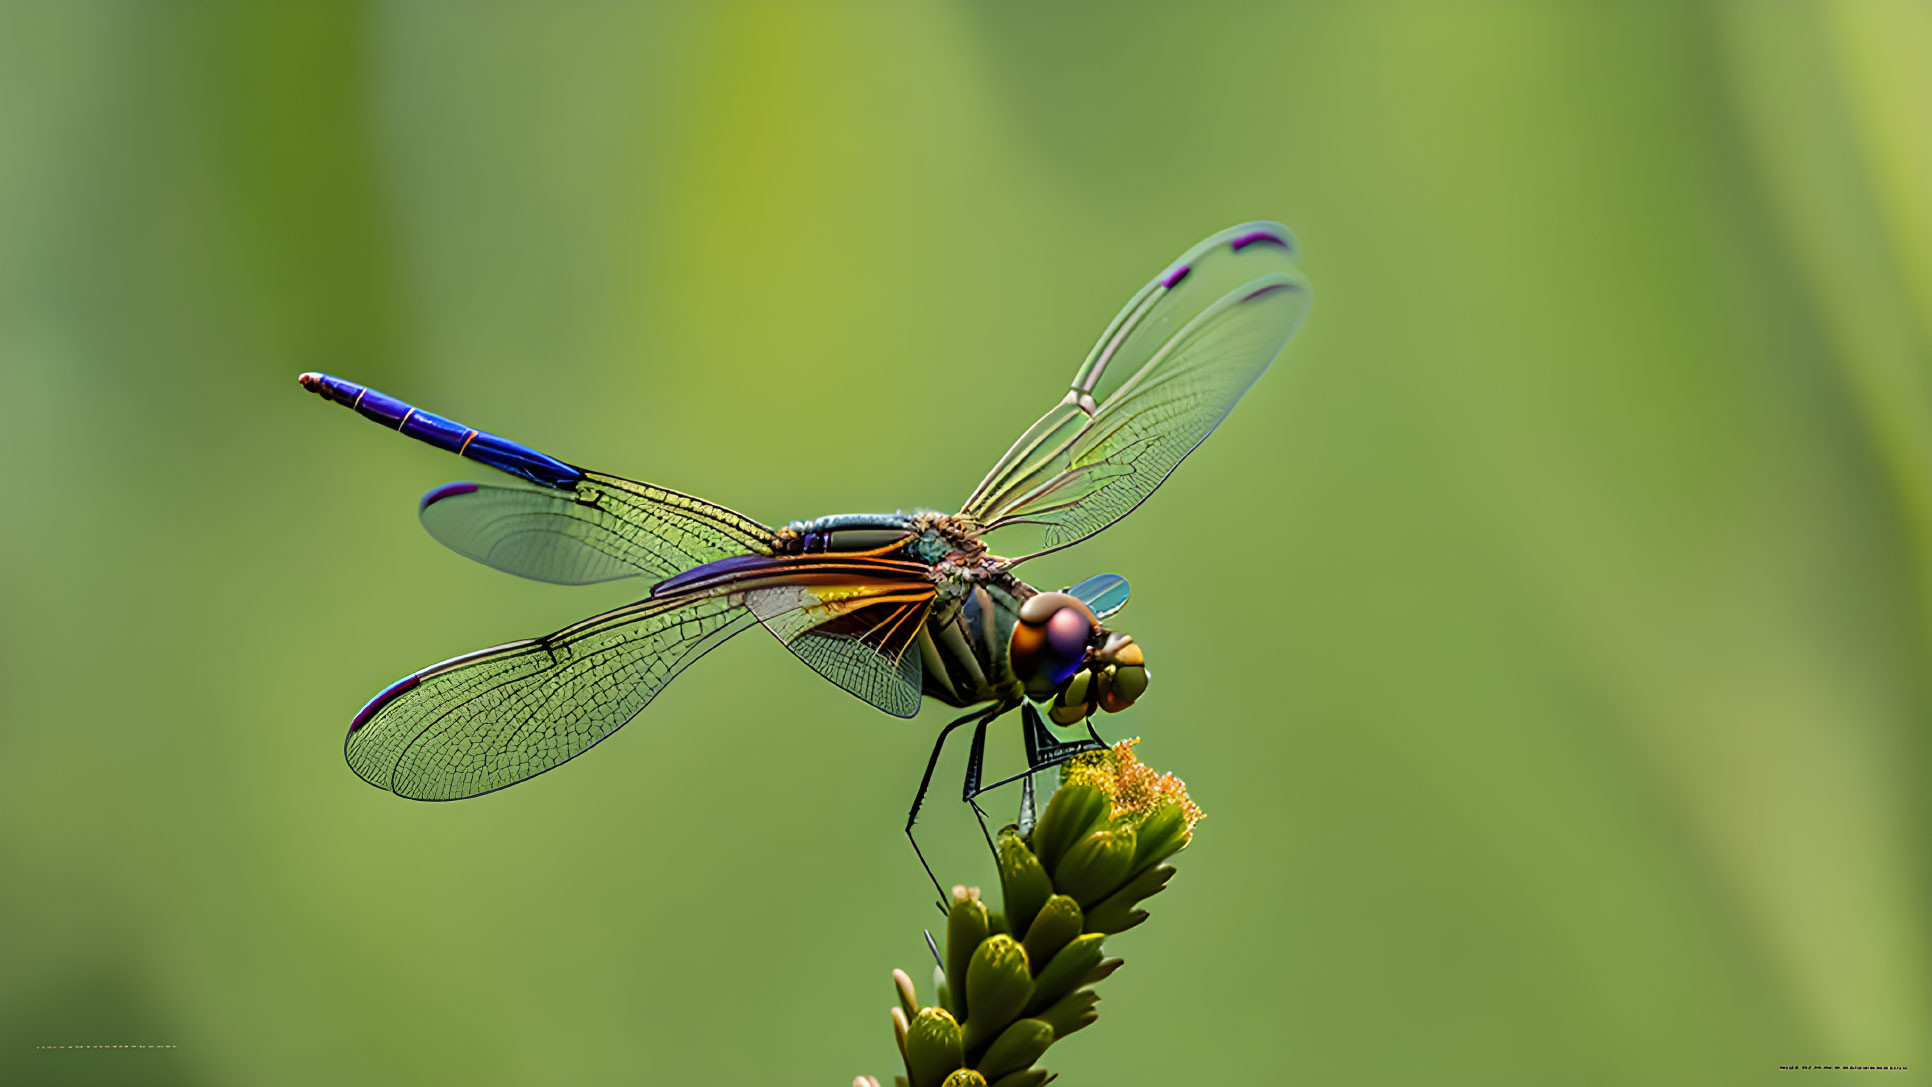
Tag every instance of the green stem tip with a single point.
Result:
(1017, 981)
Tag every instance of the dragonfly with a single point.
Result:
(892, 607)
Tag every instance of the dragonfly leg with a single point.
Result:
(1043, 751)
(925, 782)
(1027, 814)
(975, 766)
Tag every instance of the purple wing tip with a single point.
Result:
(1268, 290)
(714, 568)
(1175, 276)
(387, 695)
(1257, 237)
(447, 490)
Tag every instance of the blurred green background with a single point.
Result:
(1546, 636)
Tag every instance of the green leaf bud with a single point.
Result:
(1102, 972)
(1065, 973)
(934, 1047)
(1057, 922)
(1017, 1047)
(1159, 836)
(1072, 812)
(1114, 918)
(1116, 912)
(1071, 1012)
(966, 926)
(1095, 865)
(1024, 884)
(998, 985)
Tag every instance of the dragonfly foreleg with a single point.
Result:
(932, 761)
(975, 767)
(1042, 750)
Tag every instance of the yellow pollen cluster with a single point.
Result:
(1135, 789)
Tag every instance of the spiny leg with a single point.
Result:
(1042, 750)
(919, 798)
(975, 765)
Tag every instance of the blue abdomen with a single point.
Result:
(478, 445)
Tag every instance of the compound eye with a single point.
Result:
(1050, 642)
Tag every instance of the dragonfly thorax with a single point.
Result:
(924, 536)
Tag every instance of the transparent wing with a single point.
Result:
(863, 644)
(597, 528)
(490, 719)
(1165, 373)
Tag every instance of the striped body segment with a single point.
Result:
(964, 647)
(477, 445)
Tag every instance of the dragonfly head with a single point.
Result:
(1062, 653)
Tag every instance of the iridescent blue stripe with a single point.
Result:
(453, 437)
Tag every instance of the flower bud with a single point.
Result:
(1114, 917)
(1071, 813)
(1057, 922)
(998, 986)
(1116, 912)
(1017, 1047)
(934, 1047)
(1159, 836)
(1070, 1013)
(908, 999)
(966, 926)
(1067, 970)
(965, 1077)
(1096, 865)
(1023, 883)
(1102, 972)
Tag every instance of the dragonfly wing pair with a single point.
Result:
(1162, 376)
(490, 719)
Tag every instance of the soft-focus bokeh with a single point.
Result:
(1546, 635)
